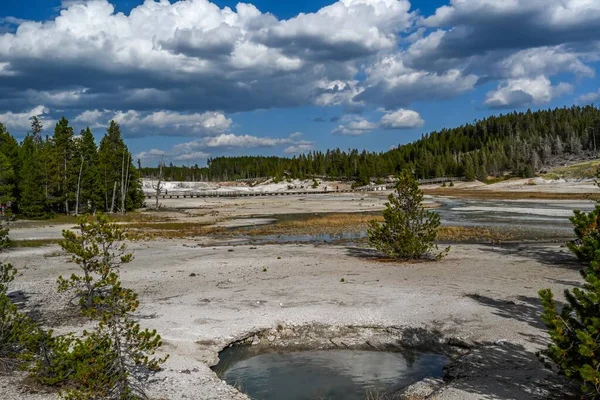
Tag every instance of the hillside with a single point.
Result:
(521, 144)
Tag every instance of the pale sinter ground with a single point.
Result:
(479, 293)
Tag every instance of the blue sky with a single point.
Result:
(194, 79)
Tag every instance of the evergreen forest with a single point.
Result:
(65, 173)
(518, 144)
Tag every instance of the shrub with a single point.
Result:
(17, 331)
(4, 238)
(315, 184)
(408, 231)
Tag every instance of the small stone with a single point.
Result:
(270, 338)
(192, 274)
(255, 340)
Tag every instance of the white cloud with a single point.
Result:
(355, 128)
(197, 56)
(169, 122)
(22, 121)
(391, 83)
(189, 58)
(299, 148)
(521, 92)
(589, 97)
(229, 140)
(202, 148)
(401, 119)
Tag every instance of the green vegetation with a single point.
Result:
(574, 330)
(408, 231)
(586, 169)
(520, 144)
(109, 361)
(17, 331)
(99, 250)
(67, 174)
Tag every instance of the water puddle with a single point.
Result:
(324, 374)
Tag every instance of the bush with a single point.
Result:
(575, 345)
(17, 331)
(110, 361)
(408, 231)
(315, 184)
(99, 250)
(4, 238)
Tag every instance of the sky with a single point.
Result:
(192, 79)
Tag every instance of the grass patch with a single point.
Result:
(473, 234)
(32, 243)
(169, 230)
(330, 223)
(586, 169)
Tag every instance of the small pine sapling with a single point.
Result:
(408, 230)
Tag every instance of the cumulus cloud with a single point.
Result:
(195, 56)
(478, 26)
(22, 121)
(170, 123)
(300, 147)
(168, 65)
(391, 83)
(402, 119)
(589, 97)
(399, 119)
(521, 92)
(355, 128)
(202, 148)
(478, 37)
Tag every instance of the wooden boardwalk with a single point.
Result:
(235, 194)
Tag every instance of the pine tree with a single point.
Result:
(99, 250)
(89, 194)
(120, 180)
(63, 158)
(7, 180)
(575, 329)
(111, 360)
(32, 203)
(408, 231)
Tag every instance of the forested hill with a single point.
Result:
(517, 143)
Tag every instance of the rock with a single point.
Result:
(255, 340)
(271, 338)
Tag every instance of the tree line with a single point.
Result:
(65, 173)
(518, 143)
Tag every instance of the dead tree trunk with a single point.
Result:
(79, 186)
(112, 205)
(158, 186)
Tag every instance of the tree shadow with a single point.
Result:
(364, 253)
(507, 371)
(552, 256)
(524, 308)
